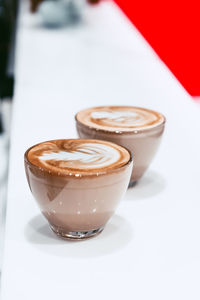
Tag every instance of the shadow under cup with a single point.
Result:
(143, 144)
(78, 207)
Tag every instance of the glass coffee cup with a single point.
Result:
(138, 129)
(78, 183)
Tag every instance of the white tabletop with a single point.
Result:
(151, 248)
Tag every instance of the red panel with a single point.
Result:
(172, 28)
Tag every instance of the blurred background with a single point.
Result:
(8, 17)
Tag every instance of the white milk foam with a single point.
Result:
(120, 117)
(117, 115)
(92, 156)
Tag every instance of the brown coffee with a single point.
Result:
(78, 183)
(75, 156)
(138, 129)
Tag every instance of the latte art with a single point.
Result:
(119, 118)
(90, 156)
(78, 156)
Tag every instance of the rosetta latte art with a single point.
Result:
(119, 118)
(122, 117)
(78, 157)
(86, 156)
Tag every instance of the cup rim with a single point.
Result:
(124, 132)
(76, 174)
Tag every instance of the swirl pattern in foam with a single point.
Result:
(83, 156)
(119, 118)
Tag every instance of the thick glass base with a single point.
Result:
(132, 184)
(75, 235)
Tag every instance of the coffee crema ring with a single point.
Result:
(78, 157)
(119, 118)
